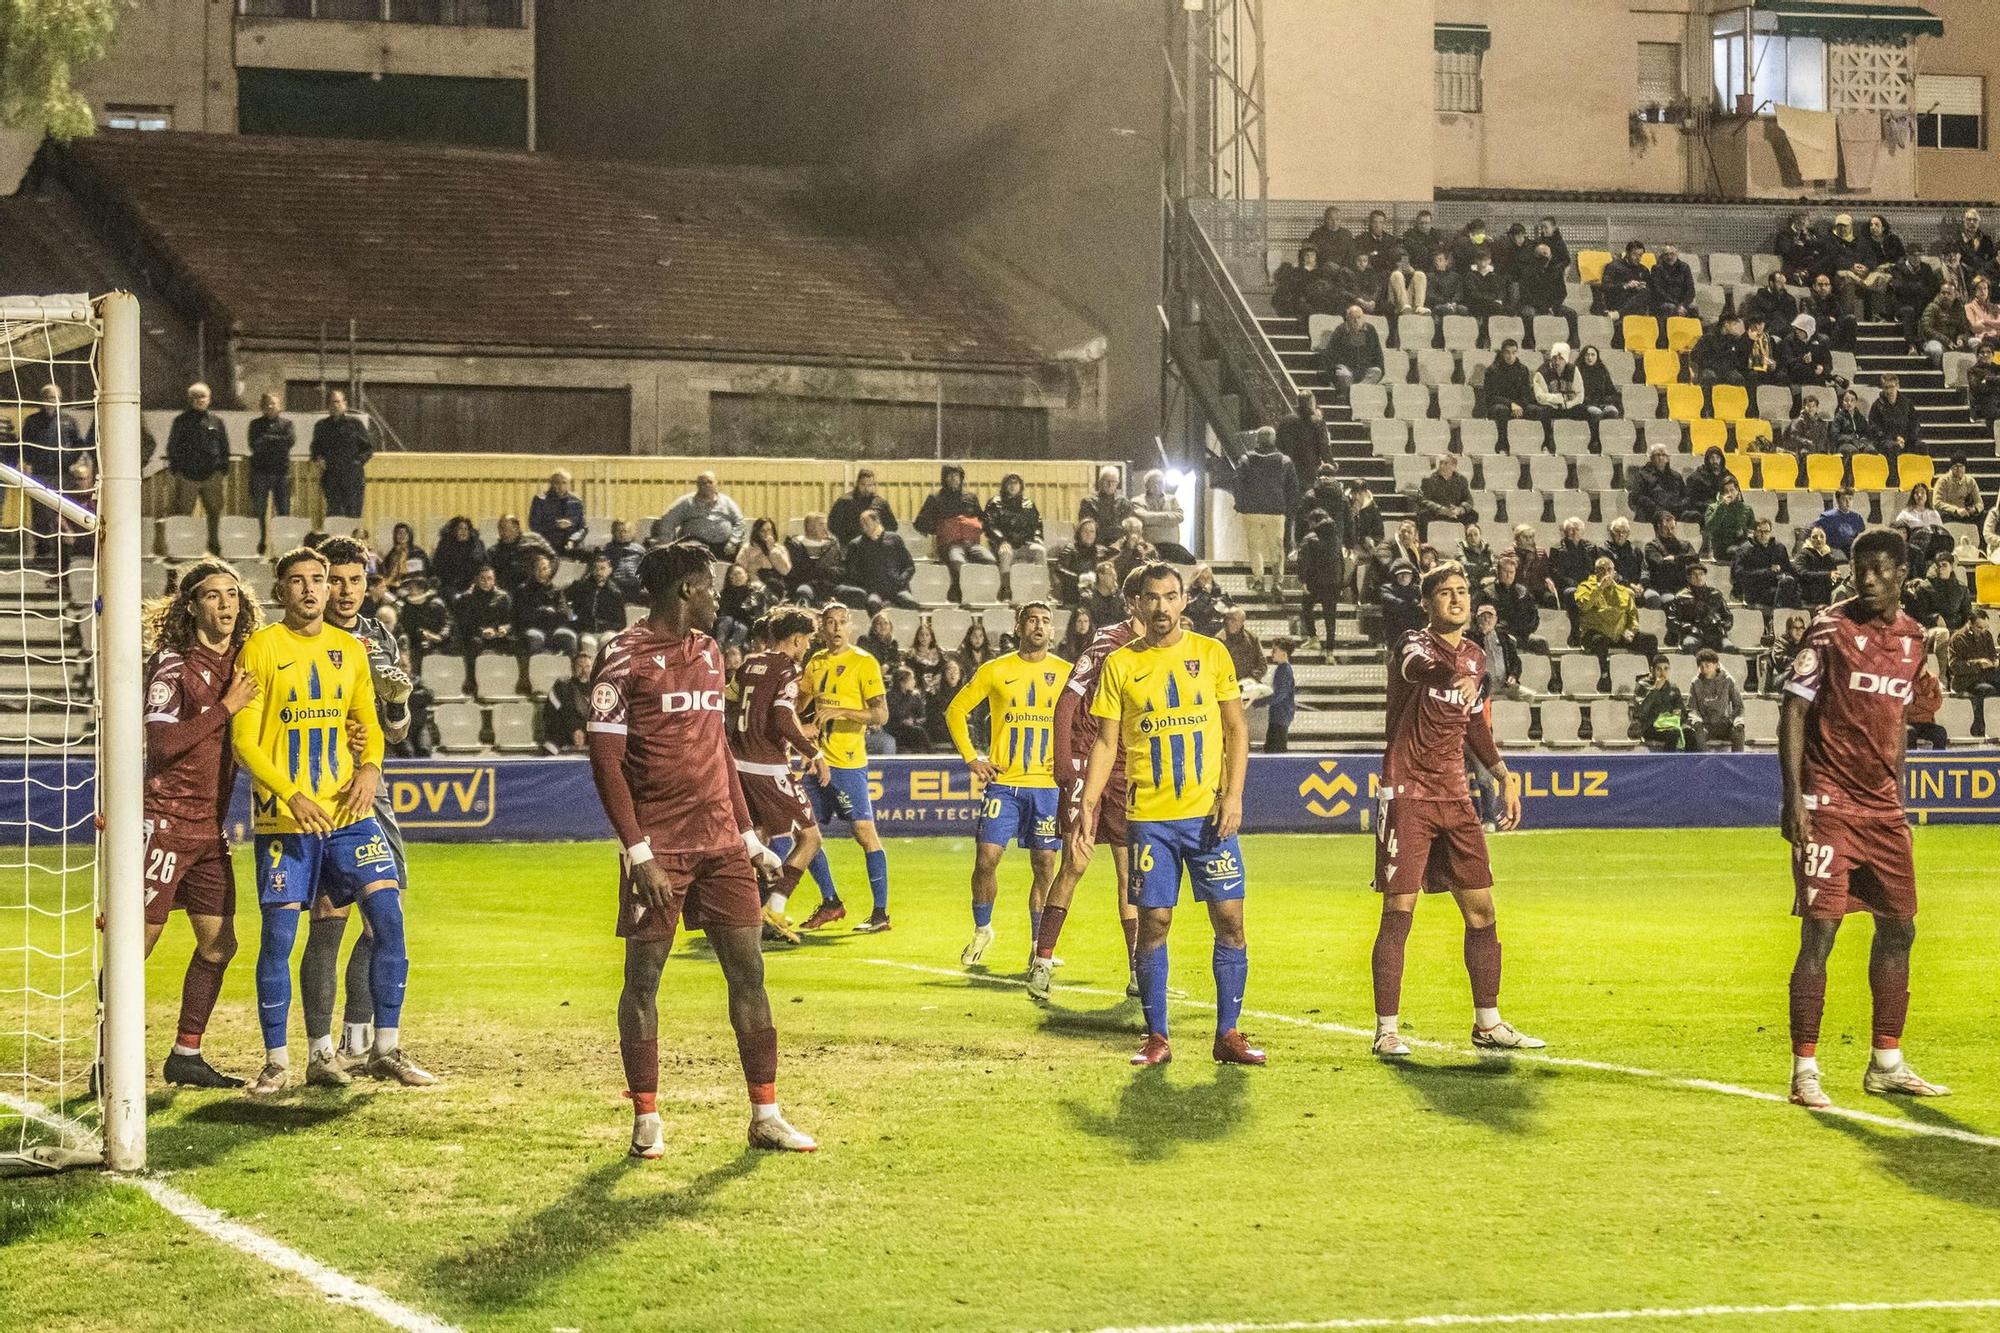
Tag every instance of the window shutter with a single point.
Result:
(1659, 73)
(1950, 95)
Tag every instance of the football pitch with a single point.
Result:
(989, 1165)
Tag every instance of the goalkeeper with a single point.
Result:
(347, 585)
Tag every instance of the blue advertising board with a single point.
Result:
(553, 800)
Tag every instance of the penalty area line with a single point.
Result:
(1534, 1057)
(1653, 1313)
(336, 1286)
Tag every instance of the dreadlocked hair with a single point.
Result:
(168, 621)
(664, 568)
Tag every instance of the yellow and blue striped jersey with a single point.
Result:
(846, 679)
(293, 735)
(1020, 698)
(1167, 703)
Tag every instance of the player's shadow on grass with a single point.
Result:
(1499, 1094)
(1944, 1168)
(1155, 1117)
(1119, 1019)
(210, 1133)
(587, 1223)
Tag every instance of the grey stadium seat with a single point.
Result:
(1725, 268)
(238, 537)
(1395, 366)
(1368, 400)
(285, 534)
(979, 585)
(1436, 366)
(1478, 435)
(444, 674)
(1455, 401)
(1610, 721)
(1760, 722)
(1510, 723)
(1474, 364)
(1594, 331)
(514, 727)
(1524, 437)
(1445, 537)
(1593, 473)
(544, 670)
(1430, 437)
(1561, 721)
(1535, 672)
(1774, 402)
(1416, 333)
(1763, 266)
(1461, 332)
(1499, 328)
(1620, 363)
(1031, 582)
(1410, 470)
(183, 537)
(458, 726)
(1571, 504)
(1669, 435)
(1548, 471)
(1571, 437)
(1550, 330)
(1617, 436)
(1410, 401)
(1642, 401)
(495, 677)
(1626, 668)
(931, 582)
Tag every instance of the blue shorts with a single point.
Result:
(296, 869)
(1026, 815)
(845, 796)
(1160, 848)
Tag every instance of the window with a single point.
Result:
(1458, 80)
(1753, 59)
(1659, 78)
(118, 117)
(1951, 111)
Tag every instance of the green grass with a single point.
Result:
(990, 1165)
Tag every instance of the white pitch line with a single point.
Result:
(1567, 1317)
(1559, 1061)
(336, 1286)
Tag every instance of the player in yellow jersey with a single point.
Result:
(313, 800)
(1174, 696)
(1019, 690)
(844, 691)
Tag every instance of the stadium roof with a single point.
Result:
(448, 247)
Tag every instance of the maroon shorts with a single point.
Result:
(1429, 846)
(777, 801)
(706, 889)
(191, 873)
(1110, 810)
(1854, 865)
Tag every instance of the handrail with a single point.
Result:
(1227, 316)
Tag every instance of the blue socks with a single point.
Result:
(1153, 987)
(274, 974)
(1232, 972)
(878, 881)
(1034, 924)
(389, 969)
(982, 914)
(822, 874)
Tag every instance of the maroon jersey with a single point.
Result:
(1429, 722)
(1075, 725)
(1856, 677)
(190, 765)
(662, 698)
(766, 725)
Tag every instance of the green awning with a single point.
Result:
(1841, 21)
(1461, 37)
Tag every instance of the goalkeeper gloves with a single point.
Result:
(761, 856)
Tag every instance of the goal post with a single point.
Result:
(72, 745)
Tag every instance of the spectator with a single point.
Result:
(1378, 242)
(1503, 656)
(924, 657)
(1558, 387)
(1982, 391)
(422, 736)
(1840, 523)
(566, 709)
(1409, 282)
(1246, 653)
(1267, 490)
(1723, 354)
(1444, 287)
(1659, 714)
(1763, 352)
(1513, 251)
(1520, 614)
(1076, 636)
(705, 515)
(272, 438)
(936, 735)
(1104, 601)
(1602, 398)
(1539, 281)
(596, 604)
(1365, 533)
(1672, 285)
(1801, 252)
(50, 443)
(1982, 316)
(844, 519)
(1877, 255)
(1627, 288)
(1920, 713)
(625, 555)
(1302, 437)
(1910, 288)
(1803, 357)
(1132, 549)
(950, 518)
(1075, 563)
(1423, 239)
(765, 557)
(1958, 498)
(1161, 517)
(197, 461)
(1715, 704)
(1302, 289)
(1940, 602)
(1783, 652)
(1629, 559)
(1656, 488)
(1761, 571)
(425, 619)
(1849, 432)
(556, 516)
(880, 641)
(513, 553)
(1206, 604)
(1816, 562)
(404, 557)
(1943, 326)
(909, 713)
(1833, 322)
(341, 448)
(541, 613)
(1107, 504)
(1669, 560)
(741, 603)
(877, 568)
(1408, 545)
(1353, 351)
(1013, 530)
(1773, 303)
(1607, 616)
(1894, 421)
(976, 648)
(1571, 561)
(484, 616)
(1510, 388)
(1969, 246)
(819, 563)
(1922, 527)
(1974, 665)
(1989, 533)
(1483, 291)
(1469, 244)
(1475, 557)
(1322, 565)
(1444, 495)
(1809, 433)
(1359, 284)
(1699, 616)
(1704, 485)
(1331, 241)
(1402, 604)
(1284, 698)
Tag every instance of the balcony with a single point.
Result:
(433, 13)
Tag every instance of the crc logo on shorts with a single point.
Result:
(691, 701)
(1870, 683)
(1223, 863)
(605, 697)
(374, 852)
(160, 695)
(1046, 827)
(1328, 792)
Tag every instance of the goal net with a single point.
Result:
(71, 753)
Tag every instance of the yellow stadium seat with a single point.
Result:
(1647, 258)
(1822, 471)
(1740, 466)
(1781, 471)
(1914, 468)
(1642, 333)
(1590, 264)
(1752, 434)
(1662, 366)
(1871, 472)
(1706, 433)
(1732, 401)
(1986, 584)
(1684, 401)
(1683, 332)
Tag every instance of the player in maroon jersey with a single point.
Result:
(1840, 746)
(1076, 733)
(661, 761)
(192, 690)
(1427, 833)
(764, 734)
